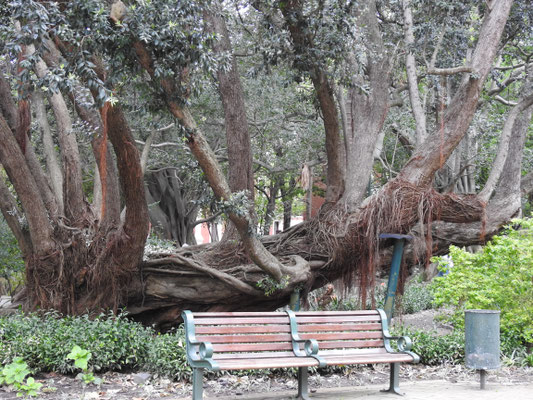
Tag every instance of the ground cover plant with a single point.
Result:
(46, 342)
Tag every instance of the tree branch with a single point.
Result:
(429, 158)
(211, 168)
(449, 71)
(177, 259)
(503, 148)
(208, 219)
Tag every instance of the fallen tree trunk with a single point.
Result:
(335, 245)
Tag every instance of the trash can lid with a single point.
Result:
(483, 311)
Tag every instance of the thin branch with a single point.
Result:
(158, 145)
(503, 149)
(505, 102)
(510, 67)
(448, 71)
(208, 219)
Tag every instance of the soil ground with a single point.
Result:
(417, 381)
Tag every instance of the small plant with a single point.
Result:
(15, 373)
(270, 286)
(416, 297)
(81, 359)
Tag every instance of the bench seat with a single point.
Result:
(263, 340)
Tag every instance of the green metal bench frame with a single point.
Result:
(200, 354)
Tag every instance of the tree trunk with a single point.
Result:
(240, 171)
(293, 13)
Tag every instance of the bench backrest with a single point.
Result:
(237, 334)
(336, 331)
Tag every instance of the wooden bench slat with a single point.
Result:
(350, 344)
(203, 329)
(336, 313)
(368, 359)
(339, 319)
(342, 335)
(240, 314)
(339, 327)
(245, 338)
(225, 356)
(268, 363)
(252, 347)
(241, 320)
(354, 352)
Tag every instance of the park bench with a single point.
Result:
(259, 340)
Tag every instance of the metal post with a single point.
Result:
(399, 241)
(197, 384)
(303, 389)
(394, 380)
(294, 302)
(482, 378)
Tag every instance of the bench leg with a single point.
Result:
(303, 389)
(197, 384)
(394, 380)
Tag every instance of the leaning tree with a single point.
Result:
(79, 58)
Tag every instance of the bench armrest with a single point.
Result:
(404, 343)
(310, 345)
(199, 354)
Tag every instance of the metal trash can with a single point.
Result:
(482, 341)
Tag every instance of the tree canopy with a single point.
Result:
(414, 114)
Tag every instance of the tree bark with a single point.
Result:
(20, 176)
(56, 176)
(367, 111)
(503, 149)
(461, 110)
(74, 206)
(410, 66)
(293, 14)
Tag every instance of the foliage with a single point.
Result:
(44, 341)
(81, 359)
(416, 297)
(155, 245)
(15, 373)
(499, 277)
(110, 343)
(80, 356)
(270, 286)
(11, 263)
(166, 355)
(435, 349)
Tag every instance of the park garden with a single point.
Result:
(226, 156)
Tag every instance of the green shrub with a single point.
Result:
(416, 297)
(44, 341)
(435, 349)
(166, 355)
(499, 277)
(11, 263)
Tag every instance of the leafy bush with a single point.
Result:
(416, 297)
(44, 341)
(11, 263)
(434, 349)
(499, 277)
(166, 355)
